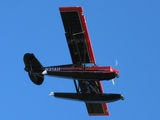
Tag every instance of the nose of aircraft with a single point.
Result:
(116, 71)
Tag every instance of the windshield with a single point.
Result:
(88, 64)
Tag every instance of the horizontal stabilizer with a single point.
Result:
(34, 68)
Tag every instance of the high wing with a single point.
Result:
(80, 48)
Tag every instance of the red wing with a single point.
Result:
(77, 35)
(80, 48)
(96, 108)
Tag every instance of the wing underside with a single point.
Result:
(80, 48)
(76, 35)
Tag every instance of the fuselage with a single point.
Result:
(86, 72)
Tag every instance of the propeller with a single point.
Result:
(113, 82)
(116, 64)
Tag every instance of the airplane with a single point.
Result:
(84, 72)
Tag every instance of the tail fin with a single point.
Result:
(34, 68)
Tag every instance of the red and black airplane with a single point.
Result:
(85, 73)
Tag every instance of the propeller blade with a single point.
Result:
(113, 82)
(116, 64)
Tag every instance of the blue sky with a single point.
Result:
(128, 31)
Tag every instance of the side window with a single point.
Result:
(88, 64)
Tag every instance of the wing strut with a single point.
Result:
(84, 53)
(87, 87)
(77, 90)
